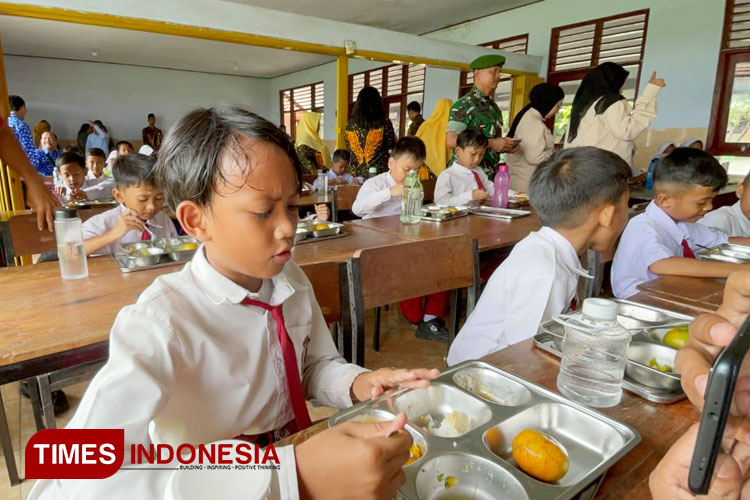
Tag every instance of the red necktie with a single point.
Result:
(293, 382)
(479, 181)
(145, 235)
(686, 251)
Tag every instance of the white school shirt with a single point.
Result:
(105, 221)
(98, 188)
(728, 220)
(537, 144)
(188, 363)
(455, 184)
(650, 237)
(619, 126)
(538, 280)
(374, 198)
(332, 175)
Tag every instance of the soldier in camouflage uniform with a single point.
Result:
(478, 109)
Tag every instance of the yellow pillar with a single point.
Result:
(519, 96)
(342, 99)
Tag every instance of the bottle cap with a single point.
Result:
(502, 167)
(66, 213)
(600, 309)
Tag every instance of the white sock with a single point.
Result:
(428, 317)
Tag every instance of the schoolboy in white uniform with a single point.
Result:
(540, 277)
(664, 240)
(97, 181)
(381, 195)
(732, 220)
(233, 343)
(463, 182)
(140, 206)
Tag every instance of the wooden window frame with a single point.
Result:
(315, 106)
(728, 58)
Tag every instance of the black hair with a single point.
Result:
(151, 115)
(101, 125)
(133, 170)
(368, 110)
(73, 148)
(689, 167)
(84, 128)
(96, 152)
(472, 137)
(341, 155)
(414, 106)
(123, 143)
(69, 157)
(409, 145)
(573, 182)
(191, 158)
(16, 102)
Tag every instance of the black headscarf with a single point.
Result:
(543, 98)
(603, 82)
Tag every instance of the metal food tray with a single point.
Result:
(499, 405)
(498, 213)
(91, 203)
(170, 257)
(727, 252)
(440, 213)
(334, 228)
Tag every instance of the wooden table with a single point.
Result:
(315, 198)
(704, 294)
(341, 249)
(492, 233)
(48, 323)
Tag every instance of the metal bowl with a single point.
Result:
(153, 257)
(301, 234)
(637, 368)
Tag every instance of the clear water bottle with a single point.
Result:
(411, 203)
(372, 172)
(70, 244)
(56, 179)
(502, 185)
(595, 350)
(322, 181)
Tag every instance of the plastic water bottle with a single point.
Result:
(595, 350)
(56, 179)
(322, 181)
(411, 202)
(650, 175)
(372, 172)
(70, 244)
(502, 184)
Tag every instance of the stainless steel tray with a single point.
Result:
(333, 229)
(728, 252)
(440, 213)
(498, 405)
(171, 255)
(91, 203)
(498, 213)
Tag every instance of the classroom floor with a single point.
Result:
(398, 348)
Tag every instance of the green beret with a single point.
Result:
(488, 61)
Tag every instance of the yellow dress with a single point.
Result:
(432, 132)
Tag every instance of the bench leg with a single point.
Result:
(36, 402)
(376, 335)
(454, 315)
(10, 458)
(48, 409)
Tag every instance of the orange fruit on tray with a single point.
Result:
(539, 456)
(320, 227)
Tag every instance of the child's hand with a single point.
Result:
(659, 82)
(127, 222)
(78, 194)
(354, 460)
(337, 181)
(372, 384)
(60, 190)
(322, 212)
(479, 194)
(397, 191)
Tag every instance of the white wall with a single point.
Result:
(682, 43)
(68, 93)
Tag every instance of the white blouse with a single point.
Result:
(537, 144)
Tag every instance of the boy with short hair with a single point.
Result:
(337, 174)
(141, 204)
(381, 195)
(463, 182)
(76, 185)
(664, 239)
(732, 220)
(124, 148)
(581, 198)
(100, 185)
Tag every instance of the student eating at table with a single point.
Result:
(581, 198)
(463, 182)
(664, 240)
(233, 344)
(337, 174)
(141, 203)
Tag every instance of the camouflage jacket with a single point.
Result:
(480, 111)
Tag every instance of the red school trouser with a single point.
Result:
(435, 304)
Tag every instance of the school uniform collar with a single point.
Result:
(389, 180)
(565, 249)
(90, 175)
(676, 230)
(463, 170)
(737, 209)
(221, 290)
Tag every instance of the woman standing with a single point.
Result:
(311, 149)
(537, 142)
(432, 133)
(369, 134)
(83, 134)
(602, 117)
